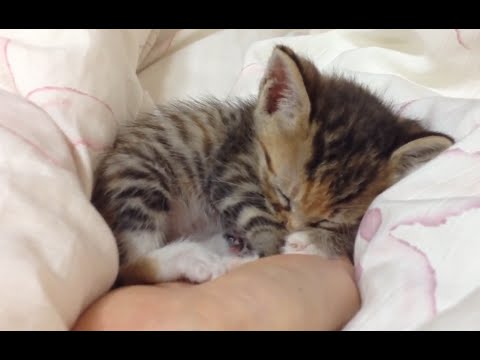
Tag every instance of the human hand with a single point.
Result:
(283, 292)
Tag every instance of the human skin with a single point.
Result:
(283, 292)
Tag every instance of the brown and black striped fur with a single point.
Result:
(309, 154)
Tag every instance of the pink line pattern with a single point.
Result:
(246, 67)
(79, 142)
(432, 278)
(7, 62)
(440, 218)
(458, 151)
(434, 220)
(460, 40)
(358, 272)
(88, 144)
(169, 43)
(69, 89)
(37, 148)
(370, 224)
(73, 143)
(405, 105)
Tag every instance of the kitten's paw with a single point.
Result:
(302, 242)
(200, 267)
(267, 243)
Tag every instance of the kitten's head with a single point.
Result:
(328, 146)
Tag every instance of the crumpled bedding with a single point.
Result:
(63, 94)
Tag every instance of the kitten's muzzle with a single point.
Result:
(293, 224)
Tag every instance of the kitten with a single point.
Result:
(202, 186)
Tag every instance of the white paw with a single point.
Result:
(199, 267)
(301, 243)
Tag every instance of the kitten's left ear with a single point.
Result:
(418, 152)
(282, 90)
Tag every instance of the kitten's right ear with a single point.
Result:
(418, 152)
(283, 94)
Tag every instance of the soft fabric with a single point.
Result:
(64, 94)
(66, 91)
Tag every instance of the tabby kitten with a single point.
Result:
(202, 186)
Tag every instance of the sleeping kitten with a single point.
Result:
(202, 186)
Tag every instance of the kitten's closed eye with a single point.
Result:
(285, 201)
(323, 224)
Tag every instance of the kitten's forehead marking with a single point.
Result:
(295, 190)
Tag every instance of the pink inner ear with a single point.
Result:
(277, 91)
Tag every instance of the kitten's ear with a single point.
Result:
(418, 152)
(282, 90)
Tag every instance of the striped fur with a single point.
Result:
(308, 155)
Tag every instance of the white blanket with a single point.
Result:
(64, 92)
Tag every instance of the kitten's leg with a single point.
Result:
(263, 232)
(134, 197)
(178, 260)
(147, 258)
(243, 210)
(235, 193)
(197, 258)
(134, 246)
